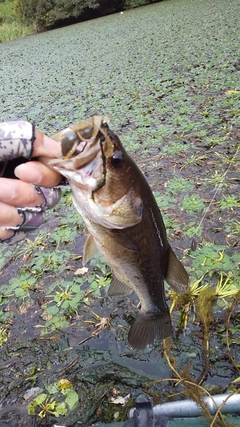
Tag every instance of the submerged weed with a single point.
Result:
(233, 227)
(229, 202)
(192, 203)
(212, 142)
(214, 258)
(175, 148)
(216, 179)
(196, 160)
(59, 399)
(192, 229)
(180, 185)
(3, 335)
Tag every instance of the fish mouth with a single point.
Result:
(79, 143)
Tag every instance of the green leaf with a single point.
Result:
(52, 388)
(39, 399)
(72, 399)
(61, 409)
(53, 309)
(192, 203)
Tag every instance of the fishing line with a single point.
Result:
(194, 242)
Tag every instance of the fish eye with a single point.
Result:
(117, 159)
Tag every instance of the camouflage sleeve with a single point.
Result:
(16, 145)
(16, 140)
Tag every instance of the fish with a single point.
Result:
(124, 224)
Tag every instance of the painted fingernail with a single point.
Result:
(7, 192)
(29, 173)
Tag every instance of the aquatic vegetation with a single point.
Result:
(229, 202)
(212, 257)
(192, 203)
(58, 400)
(3, 335)
(180, 185)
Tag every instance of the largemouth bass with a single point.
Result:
(124, 224)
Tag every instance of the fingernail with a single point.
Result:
(29, 173)
(7, 192)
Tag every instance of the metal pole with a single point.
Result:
(189, 408)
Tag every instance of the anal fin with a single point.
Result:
(118, 288)
(177, 277)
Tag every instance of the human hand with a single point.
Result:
(31, 200)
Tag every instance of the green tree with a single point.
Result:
(25, 10)
(44, 14)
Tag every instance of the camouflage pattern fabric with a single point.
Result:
(16, 146)
(16, 140)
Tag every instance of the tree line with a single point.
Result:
(46, 14)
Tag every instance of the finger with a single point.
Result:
(18, 193)
(30, 220)
(9, 216)
(45, 146)
(37, 173)
(4, 234)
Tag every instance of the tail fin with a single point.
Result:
(148, 328)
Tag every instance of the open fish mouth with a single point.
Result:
(80, 142)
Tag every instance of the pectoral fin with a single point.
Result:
(89, 250)
(177, 276)
(118, 288)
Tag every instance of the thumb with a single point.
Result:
(45, 146)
